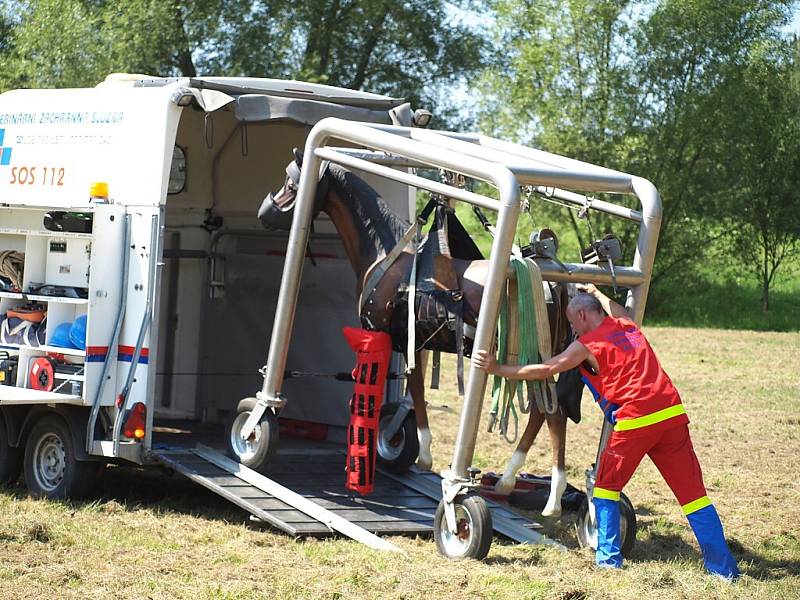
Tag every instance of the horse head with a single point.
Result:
(277, 209)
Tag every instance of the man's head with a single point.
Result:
(584, 313)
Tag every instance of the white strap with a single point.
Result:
(412, 313)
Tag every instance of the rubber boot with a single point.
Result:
(609, 542)
(717, 556)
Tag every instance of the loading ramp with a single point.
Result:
(304, 495)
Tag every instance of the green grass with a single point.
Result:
(728, 298)
(147, 535)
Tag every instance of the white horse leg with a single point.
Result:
(557, 426)
(506, 483)
(416, 387)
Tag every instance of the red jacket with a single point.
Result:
(631, 377)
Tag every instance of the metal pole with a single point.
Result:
(487, 324)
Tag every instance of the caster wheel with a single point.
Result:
(257, 451)
(474, 529)
(587, 529)
(397, 452)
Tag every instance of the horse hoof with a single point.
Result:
(424, 464)
(505, 486)
(551, 511)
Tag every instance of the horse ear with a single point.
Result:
(298, 156)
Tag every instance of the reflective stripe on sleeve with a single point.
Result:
(651, 419)
(605, 494)
(696, 505)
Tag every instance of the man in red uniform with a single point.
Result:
(635, 394)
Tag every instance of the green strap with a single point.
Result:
(504, 390)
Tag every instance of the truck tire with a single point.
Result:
(52, 469)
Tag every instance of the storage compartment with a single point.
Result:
(36, 320)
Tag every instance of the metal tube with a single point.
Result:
(540, 157)
(583, 273)
(380, 158)
(646, 244)
(408, 178)
(146, 319)
(531, 171)
(365, 135)
(126, 240)
(484, 337)
(582, 200)
(472, 146)
(292, 270)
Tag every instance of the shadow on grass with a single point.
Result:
(126, 488)
(667, 547)
(759, 567)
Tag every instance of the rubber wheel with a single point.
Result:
(397, 453)
(257, 451)
(52, 469)
(474, 535)
(587, 530)
(10, 457)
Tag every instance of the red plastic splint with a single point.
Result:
(373, 352)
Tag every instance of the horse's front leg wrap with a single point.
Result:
(558, 484)
(505, 485)
(425, 459)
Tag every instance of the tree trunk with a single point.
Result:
(765, 283)
(183, 53)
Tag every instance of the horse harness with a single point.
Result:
(437, 321)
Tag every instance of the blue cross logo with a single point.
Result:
(5, 153)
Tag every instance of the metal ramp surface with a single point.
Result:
(304, 495)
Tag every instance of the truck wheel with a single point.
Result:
(52, 469)
(587, 528)
(396, 453)
(474, 523)
(10, 457)
(257, 451)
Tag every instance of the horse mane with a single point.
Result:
(381, 227)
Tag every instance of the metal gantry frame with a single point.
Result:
(505, 165)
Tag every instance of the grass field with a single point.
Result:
(150, 536)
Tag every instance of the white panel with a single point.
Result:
(67, 261)
(58, 142)
(104, 299)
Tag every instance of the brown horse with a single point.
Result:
(369, 230)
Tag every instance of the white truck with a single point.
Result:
(128, 218)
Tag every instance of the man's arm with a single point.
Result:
(612, 308)
(570, 358)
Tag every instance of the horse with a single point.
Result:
(369, 231)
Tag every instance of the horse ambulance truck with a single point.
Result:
(137, 286)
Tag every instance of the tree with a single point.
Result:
(638, 86)
(763, 129)
(406, 49)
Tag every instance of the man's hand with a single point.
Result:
(587, 288)
(485, 360)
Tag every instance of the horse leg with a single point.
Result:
(557, 426)
(416, 387)
(507, 482)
